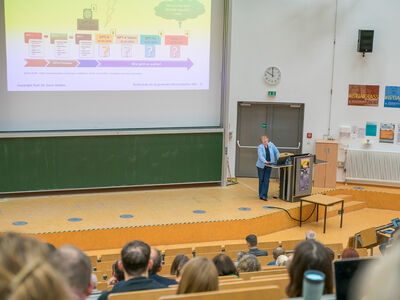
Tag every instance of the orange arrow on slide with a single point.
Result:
(36, 63)
(62, 63)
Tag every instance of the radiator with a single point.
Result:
(373, 166)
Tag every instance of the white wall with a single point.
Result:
(297, 36)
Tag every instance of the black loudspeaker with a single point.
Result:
(365, 41)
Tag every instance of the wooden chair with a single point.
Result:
(228, 277)
(102, 285)
(208, 249)
(232, 254)
(363, 252)
(110, 257)
(265, 292)
(187, 251)
(369, 238)
(291, 244)
(104, 266)
(208, 255)
(236, 247)
(338, 247)
(272, 271)
(168, 260)
(165, 270)
(267, 245)
(93, 260)
(144, 295)
(282, 282)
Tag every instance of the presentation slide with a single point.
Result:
(107, 45)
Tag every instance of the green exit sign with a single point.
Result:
(271, 93)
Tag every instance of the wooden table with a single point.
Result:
(324, 201)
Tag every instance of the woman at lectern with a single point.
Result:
(267, 155)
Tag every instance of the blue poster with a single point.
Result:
(392, 96)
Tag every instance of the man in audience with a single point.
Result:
(278, 251)
(135, 262)
(252, 244)
(75, 267)
(155, 257)
(311, 235)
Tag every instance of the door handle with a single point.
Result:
(245, 147)
(291, 148)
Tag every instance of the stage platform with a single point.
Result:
(106, 220)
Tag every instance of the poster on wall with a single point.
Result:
(386, 133)
(371, 128)
(398, 134)
(392, 96)
(363, 95)
(304, 174)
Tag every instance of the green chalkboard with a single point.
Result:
(58, 163)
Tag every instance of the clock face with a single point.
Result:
(272, 75)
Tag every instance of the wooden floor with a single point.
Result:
(63, 213)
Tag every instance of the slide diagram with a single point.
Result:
(109, 45)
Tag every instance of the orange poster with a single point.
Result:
(386, 133)
(364, 95)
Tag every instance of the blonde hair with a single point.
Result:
(248, 263)
(198, 275)
(281, 260)
(25, 274)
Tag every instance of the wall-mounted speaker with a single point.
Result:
(365, 41)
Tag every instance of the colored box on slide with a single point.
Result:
(104, 39)
(58, 36)
(82, 37)
(150, 40)
(176, 40)
(32, 36)
(132, 39)
(88, 24)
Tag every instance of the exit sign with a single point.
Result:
(271, 93)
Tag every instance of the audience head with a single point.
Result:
(309, 255)
(75, 267)
(26, 273)
(178, 263)
(350, 253)
(331, 253)
(135, 257)
(278, 251)
(248, 263)
(240, 255)
(117, 272)
(251, 240)
(281, 260)
(198, 275)
(155, 257)
(224, 265)
(311, 235)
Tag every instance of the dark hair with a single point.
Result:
(278, 251)
(75, 266)
(224, 265)
(309, 255)
(156, 261)
(251, 239)
(179, 261)
(119, 274)
(331, 253)
(135, 257)
(350, 253)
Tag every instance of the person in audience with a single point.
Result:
(198, 275)
(135, 262)
(26, 273)
(118, 276)
(180, 269)
(239, 257)
(248, 263)
(331, 253)
(177, 261)
(281, 260)
(309, 255)
(311, 235)
(224, 265)
(252, 244)
(76, 268)
(155, 256)
(278, 251)
(350, 253)
(380, 278)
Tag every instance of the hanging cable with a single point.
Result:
(290, 216)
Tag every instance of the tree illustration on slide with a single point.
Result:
(180, 10)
